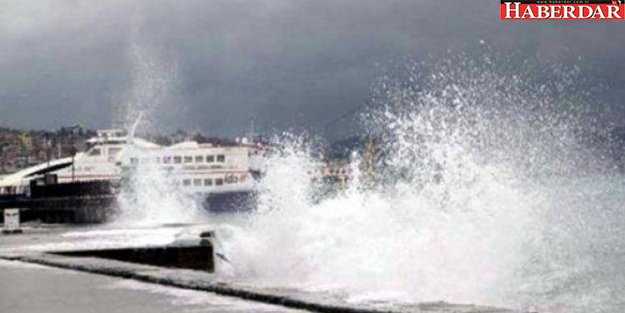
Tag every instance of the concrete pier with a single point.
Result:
(34, 288)
(52, 247)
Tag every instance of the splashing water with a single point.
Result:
(153, 77)
(151, 197)
(463, 201)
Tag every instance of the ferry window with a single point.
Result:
(188, 159)
(219, 181)
(95, 152)
(221, 158)
(210, 158)
(167, 159)
(177, 159)
(186, 182)
(197, 182)
(134, 161)
(114, 151)
(199, 158)
(208, 182)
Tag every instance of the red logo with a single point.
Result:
(562, 10)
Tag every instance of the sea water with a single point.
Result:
(484, 191)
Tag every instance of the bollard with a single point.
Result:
(11, 222)
(207, 239)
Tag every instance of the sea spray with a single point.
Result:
(150, 197)
(154, 78)
(456, 244)
(459, 210)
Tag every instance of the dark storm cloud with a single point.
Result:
(289, 64)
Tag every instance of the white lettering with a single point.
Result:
(517, 8)
(613, 12)
(568, 12)
(543, 11)
(581, 11)
(598, 12)
(528, 13)
(556, 12)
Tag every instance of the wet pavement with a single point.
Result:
(33, 288)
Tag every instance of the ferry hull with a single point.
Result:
(239, 201)
(96, 202)
(80, 202)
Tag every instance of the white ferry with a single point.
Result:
(221, 174)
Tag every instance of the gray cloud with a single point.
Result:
(290, 64)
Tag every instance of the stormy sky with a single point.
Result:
(211, 65)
